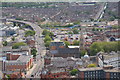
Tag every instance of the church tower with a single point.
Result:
(82, 40)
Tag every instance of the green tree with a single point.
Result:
(75, 31)
(47, 44)
(33, 52)
(17, 45)
(95, 48)
(116, 27)
(47, 38)
(5, 43)
(73, 72)
(91, 65)
(45, 32)
(70, 33)
(82, 53)
(29, 33)
(13, 38)
(14, 23)
(19, 18)
(75, 42)
(112, 18)
(67, 43)
(51, 34)
(104, 46)
(8, 76)
(76, 23)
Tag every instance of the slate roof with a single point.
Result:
(57, 44)
(68, 51)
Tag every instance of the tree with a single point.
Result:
(51, 34)
(29, 33)
(5, 43)
(116, 27)
(75, 42)
(13, 38)
(8, 76)
(91, 65)
(19, 18)
(45, 32)
(25, 26)
(17, 45)
(47, 44)
(67, 43)
(112, 18)
(76, 23)
(14, 23)
(47, 38)
(73, 72)
(33, 52)
(95, 48)
(104, 46)
(82, 53)
(70, 33)
(75, 31)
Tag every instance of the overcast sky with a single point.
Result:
(58, 0)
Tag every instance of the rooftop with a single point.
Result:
(112, 70)
(73, 46)
(111, 56)
(54, 43)
(90, 69)
(21, 59)
(68, 50)
(9, 49)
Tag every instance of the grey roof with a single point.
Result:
(9, 48)
(68, 51)
(6, 48)
(112, 70)
(22, 60)
(62, 62)
(90, 69)
(57, 44)
(56, 70)
(24, 48)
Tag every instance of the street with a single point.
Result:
(35, 73)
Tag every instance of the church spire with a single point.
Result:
(82, 41)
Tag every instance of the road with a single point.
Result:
(101, 11)
(40, 48)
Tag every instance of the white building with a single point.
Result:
(112, 58)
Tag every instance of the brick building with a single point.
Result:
(58, 49)
(56, 44)
(112, 74)
(21, 50)
(98, 74)
(31, 43)
(91, 73)
(47, 60)
(17, 63)
(53, 73)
